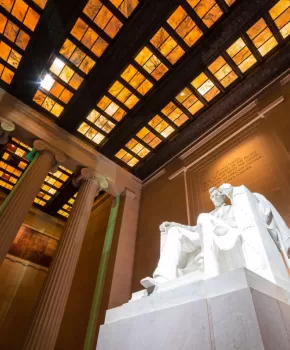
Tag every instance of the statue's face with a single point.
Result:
(217, 198)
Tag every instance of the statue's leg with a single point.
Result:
(210, 250)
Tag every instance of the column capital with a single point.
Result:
(41, 146)
(90, 174)
(6, 127)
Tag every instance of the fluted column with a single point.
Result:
(17, 204)
(54, 294)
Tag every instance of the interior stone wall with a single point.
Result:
(253, 151)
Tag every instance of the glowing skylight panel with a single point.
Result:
(20, 10)
(103, 17)
(9, 55)
(281, 16)
(148, 137)
(161, 126)
(127, 158)
(126, 7)
(167, 46)
(151, 63)
(207, 10)
(184, 26)
(137, 80)
(262, 37)
(6, 74)
(241, 55)
(13, 33)
(205, 87)
(77, 57)
(137, 148)
(123, 94)
(223, 71)
(189, 101)
(66, 74)
(230, 2)
(101, 121)
(111, 108)
(48, 103)
(66, 208)
(175, 114)
(91, 133)
(56, 89)
(89, 38)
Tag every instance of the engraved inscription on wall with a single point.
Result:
(233, 169)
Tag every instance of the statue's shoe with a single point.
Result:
(152, 282)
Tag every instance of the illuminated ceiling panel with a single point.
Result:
(137, 148)
(123, 94)
(66, 208)
(103, 18)
(184, 26)
(48, 103)
(205, 87)
(241, 55)
(175, 114)
(161, 126)
(262, 37)
(13, 163)
(95, 125)
(167, 46)
(189, 101)
(223, 71)
(148, 137)
(91, 133)
(13, 33)
(66, 74)
(127, 158)
(111, 108)
(24, 13)
(151, 63)
(52, 185)
(137, 80)
(230, 2)
(207, 10)
(126, 7)
(281, 15)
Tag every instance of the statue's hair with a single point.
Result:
(212, 189)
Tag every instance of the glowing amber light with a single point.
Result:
(189, 101)
(205, 87)
(281, 15)
(147, 136)
(151, 63)
(184, 26)
(103, 17)
(207, 10)
(136, 80)
(24, 13)
(6, 74)
(223, 71)
(241, 55)
(77, 56)
(136, 147)
(126, 7)
(262, 37)
(47, 103)
(9, 55)
(123, 94)
(127, 158)
(167, 46)
(230, 2)
(91, 133)
(88, 37)
(100, 121)
(111, 108)
(161, 126)
(12, 32)
(174, 114)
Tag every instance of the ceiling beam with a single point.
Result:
(135, 34)
(245, 13)
(54, 25)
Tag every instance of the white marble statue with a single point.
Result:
(248, 233)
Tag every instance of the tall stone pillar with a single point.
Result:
(54, 294)
(17, 204)
(123, 269)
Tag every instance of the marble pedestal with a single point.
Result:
(236, 310)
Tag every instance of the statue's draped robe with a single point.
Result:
(249, 233)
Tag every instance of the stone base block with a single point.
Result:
(237, 310)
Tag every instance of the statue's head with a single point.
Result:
(217, 197)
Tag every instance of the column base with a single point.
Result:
(236, 310)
